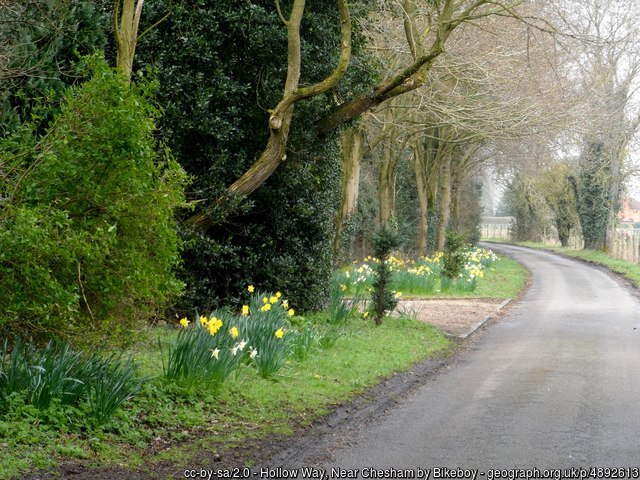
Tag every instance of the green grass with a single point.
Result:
(505, 278)
(247, 406)
(165, 424)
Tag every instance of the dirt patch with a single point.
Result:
(458, 317)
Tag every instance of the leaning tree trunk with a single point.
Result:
(281, 116)
(352, 142)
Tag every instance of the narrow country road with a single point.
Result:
(554, 384)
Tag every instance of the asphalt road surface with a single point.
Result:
(554, 384)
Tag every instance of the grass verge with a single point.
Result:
(161, 424)
(505, 279)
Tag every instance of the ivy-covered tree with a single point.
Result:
(525, 204)
(559, 194)
(594, 194)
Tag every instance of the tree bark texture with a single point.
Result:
(126, 20)
(420, 168)
(386, 183)
(352, 143)
(445, 203)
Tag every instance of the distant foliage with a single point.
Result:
(87, 237)
(525, 203)
(469, 216)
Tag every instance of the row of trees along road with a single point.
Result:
(302, 128)
(576, 181)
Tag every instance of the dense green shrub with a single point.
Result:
(87, 232)
(453, 259)
(42, 41)
(383, 300)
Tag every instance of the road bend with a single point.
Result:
(554, 384)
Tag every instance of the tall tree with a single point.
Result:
(605, 45)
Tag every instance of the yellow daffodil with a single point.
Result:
(251, 288)
(214, 325)
(265, 300)
(203, 321)
(285, 304)
(279, 333)
(266, 307)
(278, 294)
(245, 310)
(184, 322)
(215, 353)
(234, 332)
(291, 312)
(273, 299)
(343, 288)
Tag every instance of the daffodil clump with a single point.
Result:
(476, 261)
(347, 296)
(421, 276)
(265, 321)
(206, 351)
(209, 349)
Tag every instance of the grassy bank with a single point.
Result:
(164, 424)
(161, 423)
(482, 274)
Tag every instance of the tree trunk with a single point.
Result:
(445, 204)
(406, 81)
(420, 167)
(126, 23)
(456, 202)
(352, 142)
(386, 185)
